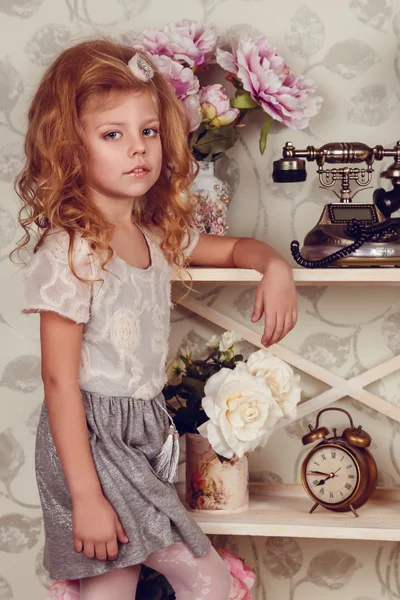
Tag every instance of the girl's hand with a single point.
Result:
(276, 297)
(96, 528)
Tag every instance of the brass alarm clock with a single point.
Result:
(339, 473)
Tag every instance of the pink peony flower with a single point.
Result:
(243, 577)
(215, 106)
(64, 590)
(185, 84)
(191, 105)
(186, 42)
(153, 41)
(191, 42)
(264, 74)
(182, 79)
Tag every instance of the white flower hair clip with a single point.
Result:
(141, 68)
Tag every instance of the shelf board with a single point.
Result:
(283, 511)
(373, 276)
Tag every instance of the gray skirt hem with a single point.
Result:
(106, 566)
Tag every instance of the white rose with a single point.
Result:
(228, 339)
(241, 410)
(280, 378)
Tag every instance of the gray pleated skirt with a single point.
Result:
(125, 435)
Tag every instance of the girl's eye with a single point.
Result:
(150, 132)
(112, 135)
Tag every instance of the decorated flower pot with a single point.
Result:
(212, 197)
(212, 484)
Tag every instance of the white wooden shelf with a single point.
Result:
(283, 511)
(311, 277)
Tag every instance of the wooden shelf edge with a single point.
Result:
(312, 277)
(283, 511)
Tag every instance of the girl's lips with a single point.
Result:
(138, 172)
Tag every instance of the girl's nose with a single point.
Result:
(137, 146)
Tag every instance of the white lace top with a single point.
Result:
(127, 318)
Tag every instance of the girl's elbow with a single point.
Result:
(56, 382)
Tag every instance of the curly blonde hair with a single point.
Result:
(52, 184)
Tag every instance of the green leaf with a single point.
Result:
(191, 371)
(195, 385)
(194, 136)
(243, 100)
(186, 420)
(264, 133)
(202, 418)
(217, 140)
(170, 391)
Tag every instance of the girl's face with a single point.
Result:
(124, 146)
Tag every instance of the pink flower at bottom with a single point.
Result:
(239, 590)
(243, 577)
(64, 590)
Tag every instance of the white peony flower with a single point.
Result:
(279, 377)
(213, 342)
(228, 339)
(184, 351)
(241, 410)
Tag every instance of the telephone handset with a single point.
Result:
(347, 233)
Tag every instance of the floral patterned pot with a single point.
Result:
(212, 485)
(212, 197)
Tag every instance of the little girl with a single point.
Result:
(106, 183)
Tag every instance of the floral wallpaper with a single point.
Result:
(351, 48)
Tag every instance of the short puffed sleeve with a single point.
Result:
(190, 240)
(50, 285)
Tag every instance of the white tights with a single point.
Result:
(206, 578)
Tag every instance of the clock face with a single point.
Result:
(331, 474)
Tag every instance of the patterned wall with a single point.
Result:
(352, 49)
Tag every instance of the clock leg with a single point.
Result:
(314, 507)
(355, 513)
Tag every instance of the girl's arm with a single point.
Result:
(276, 293)
(96, 526)
(61, 341)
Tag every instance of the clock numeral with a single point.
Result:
(331, 495)
(322, 491)
(315, 482)
(342, 459)
(349, 466)
(323, 456)
(341, 493)
(348, 486)
(333, 454)
(351, 476)
(315, 463)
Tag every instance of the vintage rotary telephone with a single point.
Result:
(347, 233)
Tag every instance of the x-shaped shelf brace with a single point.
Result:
(340, 387)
